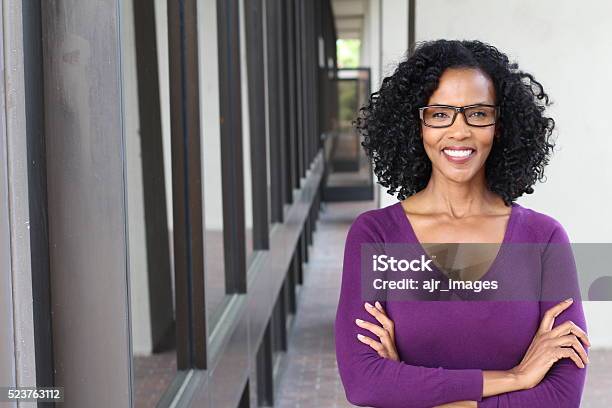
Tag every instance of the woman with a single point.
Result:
(460, 133)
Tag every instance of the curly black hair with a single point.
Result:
(391, 129)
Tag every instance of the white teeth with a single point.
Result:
(458, 153)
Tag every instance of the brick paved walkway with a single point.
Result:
(311, 379)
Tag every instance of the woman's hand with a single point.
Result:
(386, 334)
(550, 345)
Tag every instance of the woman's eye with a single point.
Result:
(440, 115)
(479, 114)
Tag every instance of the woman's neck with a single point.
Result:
(459, 199)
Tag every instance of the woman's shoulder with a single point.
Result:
(536, 226)
(377, 223)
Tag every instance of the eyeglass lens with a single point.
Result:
(439, 116)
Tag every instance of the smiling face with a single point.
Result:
(459, 152)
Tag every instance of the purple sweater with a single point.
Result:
(444, 346)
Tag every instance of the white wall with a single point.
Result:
(142, 343)
(384, 45)
(209, 114)
(568, 47)
(161, 31)
(370, 52)
(209, 118)
(246, 126)
(394, 34)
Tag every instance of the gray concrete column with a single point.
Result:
(86, 201)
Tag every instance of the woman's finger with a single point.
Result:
(563, 352)
(379, 307)
(549, 316)
(388, 324)
(377, 330)
(371, 342)
(569, 327)
(572, 341)
(382, 318)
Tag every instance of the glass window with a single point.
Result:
(212, 190)
(246, 141)
(149, 177)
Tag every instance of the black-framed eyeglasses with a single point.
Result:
(441, 116)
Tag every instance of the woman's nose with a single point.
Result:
(460, 128)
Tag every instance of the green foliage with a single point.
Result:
(348, 53)
(347, 101)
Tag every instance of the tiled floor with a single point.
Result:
(311, 379)
(598, 388)
(152, 376)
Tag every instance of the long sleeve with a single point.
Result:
(563, 384)
(370, 380)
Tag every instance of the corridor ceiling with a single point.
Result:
(349, 16)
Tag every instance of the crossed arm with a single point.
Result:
(538, 381)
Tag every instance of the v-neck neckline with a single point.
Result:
(409, 234)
